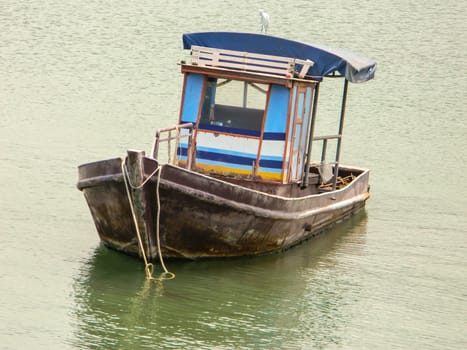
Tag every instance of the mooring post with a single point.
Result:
(136, 178)
(135, 166)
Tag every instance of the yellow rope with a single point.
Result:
(149, 267)
(166, 275)
(138, 234)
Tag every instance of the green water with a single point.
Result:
(86, 80)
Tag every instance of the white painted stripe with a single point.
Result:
(229, 144)
(274, 149)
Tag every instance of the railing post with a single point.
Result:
(169, 144)
(189, 155)
(155, 148)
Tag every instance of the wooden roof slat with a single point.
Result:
(276, 65)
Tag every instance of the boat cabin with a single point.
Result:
(249, 106)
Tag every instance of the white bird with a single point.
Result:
(264, 20)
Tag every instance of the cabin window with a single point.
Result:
(234, 106)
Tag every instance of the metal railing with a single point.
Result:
(172, 138)
(323, 166)
(325, 139)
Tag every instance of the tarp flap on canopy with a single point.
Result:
(326, 60)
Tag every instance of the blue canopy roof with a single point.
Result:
(355, 68)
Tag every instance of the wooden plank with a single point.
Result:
(245, 60)
(242, 60)
(247, 68)
(236, 74)
(306, 64)
(242, 53)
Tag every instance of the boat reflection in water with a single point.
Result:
(296, 299)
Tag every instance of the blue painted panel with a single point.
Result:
(230, 130)
(224, 158)
(192, 98)
(276, 136)
(232, 157)
(274, 131)
(232, 153)
(182, 150)
(276, 119)
(273, 164)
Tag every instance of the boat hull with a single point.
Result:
(204, 217)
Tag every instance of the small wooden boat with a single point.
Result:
(240, 178)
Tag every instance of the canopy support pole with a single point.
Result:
(245, 93)
(341, 130)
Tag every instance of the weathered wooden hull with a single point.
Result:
(204, 217)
